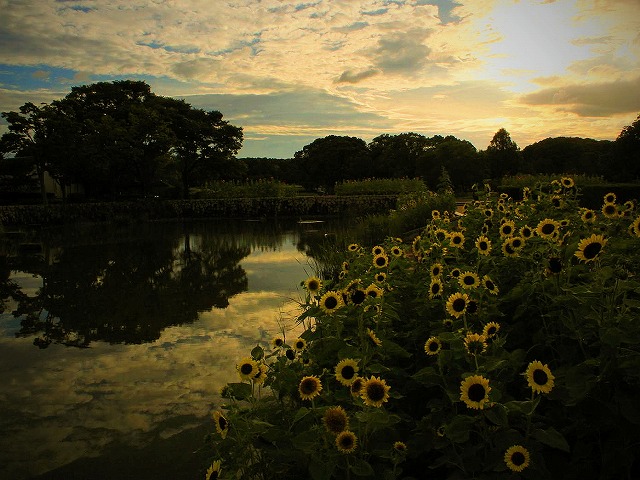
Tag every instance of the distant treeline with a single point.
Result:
(119, 140)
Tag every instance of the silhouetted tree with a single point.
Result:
(502, 155)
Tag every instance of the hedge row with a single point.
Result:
(200, 208)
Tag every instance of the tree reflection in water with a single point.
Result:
(126, 288)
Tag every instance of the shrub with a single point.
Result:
(380, 186)
(504, 344)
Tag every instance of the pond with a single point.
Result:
(115, 341)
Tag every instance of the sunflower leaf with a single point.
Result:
(361, 468)
(552, 438)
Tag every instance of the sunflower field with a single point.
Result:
(500, 343)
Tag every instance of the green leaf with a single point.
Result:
(552, 438)
(395, 350)
(257, 353)
(239, 391)
(497, 414)
(320, 470)
(427, 376)
(526, 407)
(361, 468)
(459, 428)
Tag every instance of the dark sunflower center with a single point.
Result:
(356, 386)
(457, 239)
(358, 296)
(548, 228)
(433, 347)
(476, 392)
(540, 377)
(346, 442)
(610, 209)
(278, 342)
(347, 372)
(516, 243)
(517, 458)
(491, 331)
(246, 368)
(308, 386)
(381, 261)
(331, 302)
(313, 285)
(592, 250)
(489, 284)
(336, 422)
(375, 392)
(483, 245)
(223, 423)
(299, 345)
(435, 272)
(468, 280)
(472, 306)
(506, 229)
(509, 248)
(459, 304)
(435, 288)
(290, 354)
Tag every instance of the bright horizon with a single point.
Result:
(290, 72)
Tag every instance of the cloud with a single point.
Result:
(590, 100)
(402, 52)
(349, 76)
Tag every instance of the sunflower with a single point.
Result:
(396, 251)
(475, 344)
(517, 458)
(472, 306)
(436, 269)
(435, 288)
(380, 277)
(567, 182)
(508, 250)
(300, 344)
(357, 296)
(526, 231)
(213, 472)
(374, 291)
(222, 425)
(313, 285)
(489, 285)
(610, 210)
(589, 248)
(374, 392)
(557, 201)
(474, 391)
(457, 304)
(415, 245)
(381, 260)
(331, 301)
(635, 227)
(374, 338)
(469, 280)
(629, 205)
(309, 387)
(539, 377)
(455, 273)
(335, 419)
(290, 353)
(488, 213)
(345, 266)
(610, 198)
(277, 342)
(491, 329)
(432, 346)
(347, 371)
(353, 247)
(447, 323)
(547, 228)
(456, 239)
(346, 442)
(554, 265)
(440, 234)
(483, 244)
(356, 386)
(517, 243)
(588, 215)
(435, 214)
(400, 447)
(377, 250)
(261, 374)
(247, 368)
(507, 228)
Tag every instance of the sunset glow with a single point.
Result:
(289, 72)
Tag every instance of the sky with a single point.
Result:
(289, 72)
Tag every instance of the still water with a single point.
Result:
(115, 341)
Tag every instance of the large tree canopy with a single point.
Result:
(119, 137)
